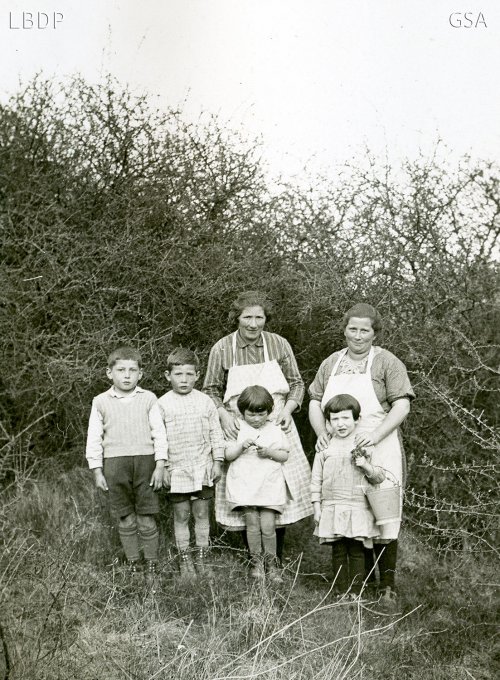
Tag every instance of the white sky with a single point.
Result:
(317, 79)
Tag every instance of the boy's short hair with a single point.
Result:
(180, 356)
(342, 402)
(124, 353)
(255, 398)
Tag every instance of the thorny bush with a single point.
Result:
(124, 223)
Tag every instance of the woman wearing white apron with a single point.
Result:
(379, 381)
(252, 356)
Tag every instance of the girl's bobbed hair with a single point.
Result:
(255, 398)
(362, 310)
(250, 298)
(342, 402)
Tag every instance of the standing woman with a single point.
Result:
(252, 356)
(379, 381)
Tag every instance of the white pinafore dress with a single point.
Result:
(296, 469)
(387, 453)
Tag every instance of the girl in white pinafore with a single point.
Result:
(296, 469)
(255, 483)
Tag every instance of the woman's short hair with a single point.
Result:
(362, 310)
(250, 298)
(255, 398)
(342, 402)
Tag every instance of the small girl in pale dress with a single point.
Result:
(340, 475)
(255, 481)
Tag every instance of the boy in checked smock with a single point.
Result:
(127, 450)
(196, 451)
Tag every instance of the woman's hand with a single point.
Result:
(366, 439)
(229, 423)
(285, 420)
(166, 478)
(322, 442)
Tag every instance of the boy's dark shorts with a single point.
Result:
(128, 480)
(204, 494)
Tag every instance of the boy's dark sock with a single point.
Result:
(387, 555)
(130, 542)
(149, 541)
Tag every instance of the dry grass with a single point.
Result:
(70, 611)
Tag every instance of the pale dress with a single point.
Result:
(258, 482)
(340, 486)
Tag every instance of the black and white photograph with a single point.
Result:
(274, 226)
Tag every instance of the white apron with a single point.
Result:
(387, 453)
(296, 469)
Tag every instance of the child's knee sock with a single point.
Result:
(127, 530)
(201, 522)
(387, 555)
(202, 531)
(356, 556)
(340, 566)
(254, 536)
(369, 565)
(149, 537)
(268, 531)
(181, 532)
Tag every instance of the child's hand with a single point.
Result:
(248, 443)
(359, 452)
(100, 479)
(317, 513)
(166, 478)
(157, 477)
(360, 461)
(216, 471)
(264, 452)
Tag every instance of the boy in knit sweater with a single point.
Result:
(127, 451)
(195, 453)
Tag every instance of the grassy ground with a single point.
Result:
(70, 611)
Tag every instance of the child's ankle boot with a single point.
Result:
(272, 570)
(202, 566)
(151, 572)
(257, 567)
(186, 567)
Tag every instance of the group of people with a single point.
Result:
(236, 440)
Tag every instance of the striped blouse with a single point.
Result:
(221, 360)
